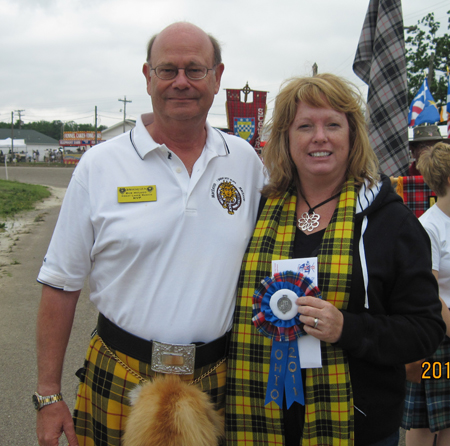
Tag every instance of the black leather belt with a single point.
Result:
(138, 348)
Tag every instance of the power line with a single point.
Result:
(20, 117)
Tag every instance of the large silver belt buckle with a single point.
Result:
(178, 359)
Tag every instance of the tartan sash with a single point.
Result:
(329, 400)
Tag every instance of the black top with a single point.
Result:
(305, 245)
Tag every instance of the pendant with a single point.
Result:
(308, 221)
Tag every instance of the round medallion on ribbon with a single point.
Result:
(275, 313)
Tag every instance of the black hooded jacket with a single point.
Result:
(403, 320)
(396, 322)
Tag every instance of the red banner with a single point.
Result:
(246, 119)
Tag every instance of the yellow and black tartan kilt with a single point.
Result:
(102, 401)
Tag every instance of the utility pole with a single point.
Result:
(95, 125)
(12, 135)
(124, 100)
(20, 117)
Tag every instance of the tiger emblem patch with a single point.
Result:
(229, 196)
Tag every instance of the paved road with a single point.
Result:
(49, 176)
(19, 300)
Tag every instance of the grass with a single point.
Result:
(18, 197)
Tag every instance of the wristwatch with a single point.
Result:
(40, 401)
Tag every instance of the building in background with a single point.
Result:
(118, 129)
(27, 142)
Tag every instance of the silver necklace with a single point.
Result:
(310, 220)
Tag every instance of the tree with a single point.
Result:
(425, 47)
(54, 128)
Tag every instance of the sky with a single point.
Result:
(61, 58)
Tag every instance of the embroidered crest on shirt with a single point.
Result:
(228, 194)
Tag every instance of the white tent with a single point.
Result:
(19, 145)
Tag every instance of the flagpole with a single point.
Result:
(6, 166)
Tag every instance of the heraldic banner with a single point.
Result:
(246, 119)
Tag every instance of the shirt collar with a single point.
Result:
(143, 143)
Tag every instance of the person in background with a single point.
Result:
(159, 219)
(427, 403)
(424, 136)
(380, 307)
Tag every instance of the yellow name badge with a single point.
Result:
(136, 194)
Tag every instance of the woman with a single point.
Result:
(380, 306)
(427, 408)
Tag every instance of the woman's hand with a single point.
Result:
(322, 319)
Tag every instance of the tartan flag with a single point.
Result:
(381, 63)
(423, 108)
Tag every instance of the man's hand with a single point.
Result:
(52, 421)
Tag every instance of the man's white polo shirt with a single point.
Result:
(165, 269)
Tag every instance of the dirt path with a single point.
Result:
(22, 224)
(23, 246)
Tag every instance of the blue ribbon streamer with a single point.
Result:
(285, 375)
(293, 380)
(277, 373)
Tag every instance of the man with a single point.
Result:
(159, 218)
(424, 136)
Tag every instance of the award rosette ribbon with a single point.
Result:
(276, 316)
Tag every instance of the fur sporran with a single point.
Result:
(169, 412)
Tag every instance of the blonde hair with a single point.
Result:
(434, 165)
(323, 90)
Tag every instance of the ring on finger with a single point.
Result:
(316, 322)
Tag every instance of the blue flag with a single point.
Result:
(423, 108)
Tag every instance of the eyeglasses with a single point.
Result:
(193, 72)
